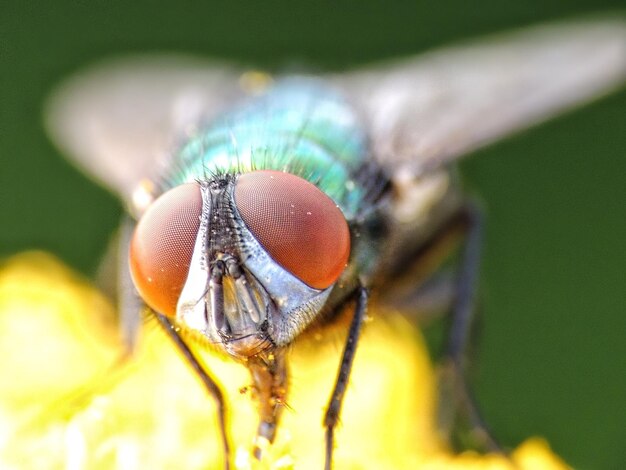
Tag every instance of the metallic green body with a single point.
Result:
(298, 126)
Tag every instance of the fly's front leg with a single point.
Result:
(336, 399)
(269, 372)
(210, 384)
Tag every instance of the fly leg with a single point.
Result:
(463, 316)
(210, 384)
(269, 372)
(421, 283)
(336, 399)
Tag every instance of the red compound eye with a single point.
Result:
(299, 226)
(162, 246)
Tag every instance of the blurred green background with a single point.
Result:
(552, 351)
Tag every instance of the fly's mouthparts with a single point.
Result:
(234, 312)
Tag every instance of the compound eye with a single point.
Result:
(162, 246)
(298, 225)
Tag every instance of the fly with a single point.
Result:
(258, 207)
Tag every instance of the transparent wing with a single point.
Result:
(426, 111)
(118, 120)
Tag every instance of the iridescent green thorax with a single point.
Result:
(298, 126)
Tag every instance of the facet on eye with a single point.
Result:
(162, 246)
(299, 226)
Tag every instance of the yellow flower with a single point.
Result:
(72, 398)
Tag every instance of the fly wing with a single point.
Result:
(427, 111)
(119, 120)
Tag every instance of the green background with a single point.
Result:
(552, 349)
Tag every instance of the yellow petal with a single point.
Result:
(536, 453)
(56, 330)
